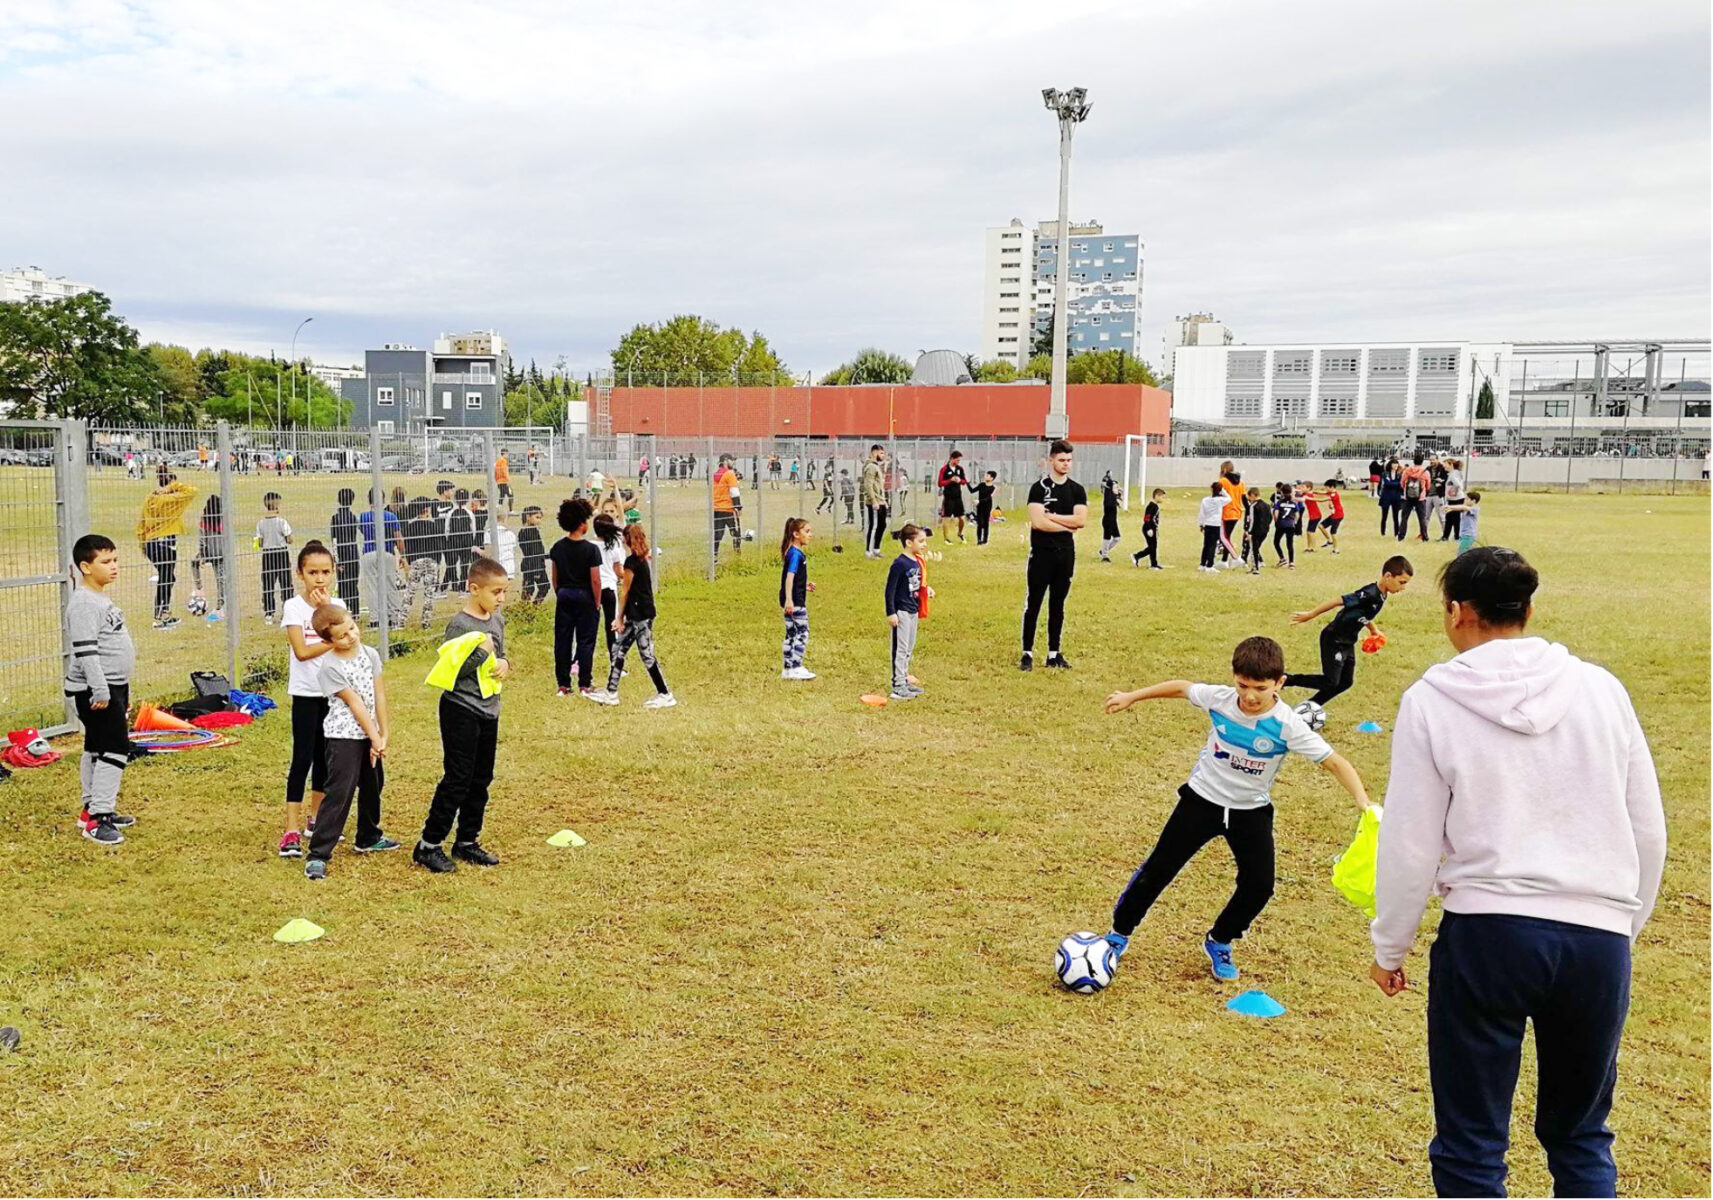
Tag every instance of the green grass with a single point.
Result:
(807, 948)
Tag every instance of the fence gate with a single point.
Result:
(41, 501)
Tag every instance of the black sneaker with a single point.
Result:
(123, 820)
(102, 830)
(1028, 663)
(434, 858)
(1059, 662)
(472, 852)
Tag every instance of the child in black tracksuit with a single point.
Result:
(533, 556)
(342, 528)
(1150, 534)
(1257, 520)
(983, 506)
(1110, 493)
(1356, 612)
(577, 585)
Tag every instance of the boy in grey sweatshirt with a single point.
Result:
(98, 679)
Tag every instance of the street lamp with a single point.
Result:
(1072, 108)
(293, 359)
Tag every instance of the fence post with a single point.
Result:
(654, 518)
(230, 610)
(711, 468)
(761, 446)
(383, 586)
(71, 485)
(493, 495)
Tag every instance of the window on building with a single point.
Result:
(1107, 247)
(1290, 364)
(1009, 278)
(1008, 339)
(1107, 275)
(1012, 309)
(1100, 262)
(481, 370)
(1338, 363)
(1011, 235)
(472, 400)
(1008, 324)
(446, 401)
(384, 426)
(383, 395)
(1243, 406)
(1105, 336)
(1439, 361)
(1338, 406)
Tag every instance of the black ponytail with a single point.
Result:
(1497, 583)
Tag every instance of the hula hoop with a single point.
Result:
(164, 741)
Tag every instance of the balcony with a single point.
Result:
(462, 377)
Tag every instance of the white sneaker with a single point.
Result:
(598, 696)
(661, 700)
(797, 673)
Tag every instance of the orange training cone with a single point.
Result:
(150, 717)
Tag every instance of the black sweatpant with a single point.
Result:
(1388, 511)
(983, 519)
(875, 518)
(1453, 527)
(1337, 669)
(1050, 573)
(724, 523)
(1209, 544)
(574, 621)
(1289, 539)
(276, 580)
(1193, 824)
(1417, 508)
(345, 582)
(308, 747)
(535, 584)
(609, 613)
(1150, 546)
(1256, 544)
(162, 554)
(1488, 976)
(349, 772)
(467, 745)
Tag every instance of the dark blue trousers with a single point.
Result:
(1487, 977)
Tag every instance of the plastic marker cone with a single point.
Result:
(1255, 1004)
(298, 930)
(873, 701)
(1370, 727)
(566, 837)
(150, 717)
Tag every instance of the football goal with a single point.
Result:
(1135, 455)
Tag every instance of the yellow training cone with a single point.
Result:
(298, 930)
(566, 837)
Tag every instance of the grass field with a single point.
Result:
(807, 947)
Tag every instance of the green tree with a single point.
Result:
(871, 365)
(74, 357)
(182, 384)
(997, 371)
(528, 406)
(1484, 401)
(1109, 366)
(688, 349)
(258, 392)
(1042, 343)
(1040, 366)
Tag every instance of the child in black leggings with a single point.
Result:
(1286, 511)
(1259, 519)
(1356, 613)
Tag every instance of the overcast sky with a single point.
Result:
(823, 173)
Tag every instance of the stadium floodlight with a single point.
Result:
(1072, 108)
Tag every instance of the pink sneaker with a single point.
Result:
(291, 845)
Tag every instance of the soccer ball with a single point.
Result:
(749, 535)
(1086, 962)
(198, 606)
(1313, 715)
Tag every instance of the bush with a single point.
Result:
(1238, 445)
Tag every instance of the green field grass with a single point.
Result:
(808, 945)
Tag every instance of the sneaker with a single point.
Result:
(291, 845)
(564, 692)
(1058, 662)
(382, 843)
(472, 852)
(916, 689)
(315, 868)
(904, 693)
(661, 700)
(1219, 959)
(121, 820)
(797, 673)
(167, 623)
(1027, 664)
(1118, 942)
(434, 858)
(601, 696)
(1135, 560)
(101, 829)
(1155, 567)
(1105, 559)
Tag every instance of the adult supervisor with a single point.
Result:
(875, 513)
(1058, 507)
(951, 482)
(1523, 793)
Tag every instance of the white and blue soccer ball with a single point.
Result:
(1086, 962)
(1313, 715)
(198, 605)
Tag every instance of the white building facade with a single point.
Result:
(1103, 291)
(33, 283)
(1196, 329)
(1008, 294)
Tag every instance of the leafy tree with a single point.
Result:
(528, 406)
(1039, 367)
(871, 365)
(997, 371)
(73, 357)
(688, 349)
(258, 392)
(1484, 401)
(182, 383)
(1109, 366)
(1043, 340)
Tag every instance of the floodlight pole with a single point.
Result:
(1071, 107)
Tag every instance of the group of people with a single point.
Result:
(1429, 488)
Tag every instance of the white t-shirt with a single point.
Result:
(1243, 753)
(358, 673)
(507, 550)
(612, 562)
(1210, 510)
(305, 678)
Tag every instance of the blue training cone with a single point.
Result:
(1370, 727)
(1255, 1004)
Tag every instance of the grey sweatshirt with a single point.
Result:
(468, 690)
(101, 649)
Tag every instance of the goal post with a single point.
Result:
(1137, 458)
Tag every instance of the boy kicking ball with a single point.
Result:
(1229, 793)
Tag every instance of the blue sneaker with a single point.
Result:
(1118, 942)
(1219, 958)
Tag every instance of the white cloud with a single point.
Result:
(823, 173)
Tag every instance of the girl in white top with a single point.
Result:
(607, 536)
(315, 569)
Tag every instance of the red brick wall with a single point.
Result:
(1102, 412)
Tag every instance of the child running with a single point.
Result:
(1229, 793)
(1334, 518)
(98, 679)
(315, 569)
(635, 623)
(1286, 512)
(1310, 500)
(903, 604)
(1150, 533)
(469, 723)
(1356, 613)
(1212, 525)
(794, 589)
(355, 729)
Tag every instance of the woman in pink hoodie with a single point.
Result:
(1522, 793)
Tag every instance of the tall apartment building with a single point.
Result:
(460, 384)
(1103, 294)
(33, 283)
(1197, 329)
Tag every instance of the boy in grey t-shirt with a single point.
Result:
(356, 734)
(98, 679)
